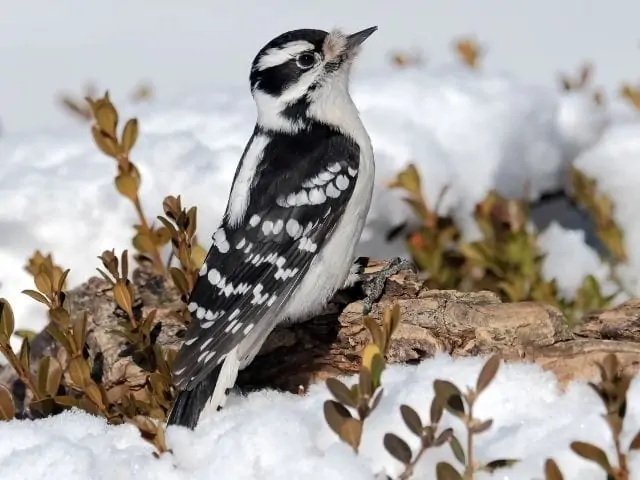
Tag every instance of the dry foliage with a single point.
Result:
(507, 259)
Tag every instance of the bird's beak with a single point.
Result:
(355, 39)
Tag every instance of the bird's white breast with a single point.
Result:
(330, 269)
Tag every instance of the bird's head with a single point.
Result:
(300, 72)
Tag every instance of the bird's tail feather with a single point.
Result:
(211, 392)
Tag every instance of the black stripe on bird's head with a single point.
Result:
(297, 62)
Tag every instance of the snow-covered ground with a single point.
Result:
(272, 436)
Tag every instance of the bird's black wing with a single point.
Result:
(299, 193)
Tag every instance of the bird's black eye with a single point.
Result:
(306, 60)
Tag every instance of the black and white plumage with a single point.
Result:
(298, 203)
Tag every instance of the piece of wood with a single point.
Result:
(461, 324)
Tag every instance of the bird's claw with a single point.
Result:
(373, 283)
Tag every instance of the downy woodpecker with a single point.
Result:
(297, 206)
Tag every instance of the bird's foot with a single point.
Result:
(373, 283)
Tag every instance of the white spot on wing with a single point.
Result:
(342, 182)
(307, 244)
(294, 229)
(277, 227)
(254, 220)
(214, 276)
(192, 307)
(220, 240)
(267, 226)
(248, 328)
(200, 313)
(203, 269)
(241, 243)
(335, 167)
(332, 191)
(316, 196)
(352, 171)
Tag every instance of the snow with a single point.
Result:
(615, 162)
(273, 435)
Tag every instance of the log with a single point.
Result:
(432, 321)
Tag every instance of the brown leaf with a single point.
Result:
(635, 443)
(494, 465)
(552, 471)
(80, 331)
(341, 392)
(129, 135)
(93, 392)
(128, 184)
(7, 407)
(67, 401)
(351, 432)
(593, 453)
(179, 280)
(398, 448)
(335, 415)
(6, 320)
(49, 376)
(122, 296)
(60, 337)
(457, 450)
(37, 296)
(142, 242)
(106, 144)
(411, 419)
(79, 372)
(445, 471)
(482, 426)
(106, 115)
(610, 366)
(449, 397)
(487, 373)
(436, 411)
(375, 331)
(25, 351)
(444, 437)
(198, 255)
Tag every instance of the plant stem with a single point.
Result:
(468, 473)
(24, 375)
(157, 259)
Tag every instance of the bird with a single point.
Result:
(296, 209)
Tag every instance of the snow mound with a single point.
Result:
(271, 435)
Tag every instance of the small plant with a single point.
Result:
(181, 225)
(73, 378)
(506, 259)
(364, 396)
(461, 406)
(148, 240)
(428, 435)
(612, 390)
(143, 92)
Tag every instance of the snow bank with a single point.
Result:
(615, 162)
(468, 130)
(270, 435)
